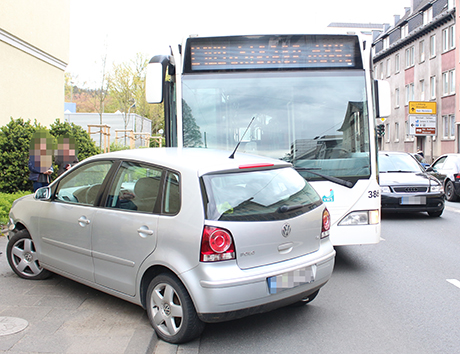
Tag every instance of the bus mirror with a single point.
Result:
(383, 98)
(154, 82)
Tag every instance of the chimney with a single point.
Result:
(415, 4)
(406, 10)
(397, 18)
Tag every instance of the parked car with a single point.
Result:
(191, 235)
(406, 187)
(446, 168)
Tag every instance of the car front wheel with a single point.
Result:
(450, 191)
(171, 311)
(23, 258)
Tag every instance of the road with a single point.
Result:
(400, 296)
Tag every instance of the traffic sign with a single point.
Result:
(422, 107)
(422, 125)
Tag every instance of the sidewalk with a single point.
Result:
(62, 316)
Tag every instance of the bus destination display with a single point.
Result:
(272, 52)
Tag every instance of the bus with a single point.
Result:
(307, 99)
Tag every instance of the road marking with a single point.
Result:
(454, 282)
(455, 210)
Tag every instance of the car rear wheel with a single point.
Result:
(450, 191)
(23, 257)
(171, 311)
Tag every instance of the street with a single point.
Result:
(399, 296)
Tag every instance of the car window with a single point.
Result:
(83, 184)
(398, 163)
(172, 194)
(258, 195)
(451, 163)
(439, 163)
(135, 187)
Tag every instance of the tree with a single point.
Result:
(192, 134)
(122, 89)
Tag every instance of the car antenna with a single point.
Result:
(239, 142)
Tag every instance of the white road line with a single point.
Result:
(454, 282)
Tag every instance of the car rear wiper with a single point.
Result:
(285, 208)
(337, 180)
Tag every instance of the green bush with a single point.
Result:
(14, 146)
(15, 140)
(6, 200)
(86, 146)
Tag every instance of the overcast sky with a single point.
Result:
(120, 29)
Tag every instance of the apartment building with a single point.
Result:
(418, 56)
(34, 52)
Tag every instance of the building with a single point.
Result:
(34, 52)
(418, 56)
(134, 132)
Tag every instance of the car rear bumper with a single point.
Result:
(226, 292)
(394, 203)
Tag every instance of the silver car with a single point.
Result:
(191, 235)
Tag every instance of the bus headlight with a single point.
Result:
(364, 217)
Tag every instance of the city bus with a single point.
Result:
(307, 99)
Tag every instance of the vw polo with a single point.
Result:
(191, 235)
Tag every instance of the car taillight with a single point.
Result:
(216, 245)
(457, 176)
(326, 223)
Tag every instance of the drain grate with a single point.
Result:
(12, 325)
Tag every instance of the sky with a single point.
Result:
(118, 30)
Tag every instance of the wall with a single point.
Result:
(34, 50)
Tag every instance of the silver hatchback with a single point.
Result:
(191, 235)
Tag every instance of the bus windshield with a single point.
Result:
(317, 120)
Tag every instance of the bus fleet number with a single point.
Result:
(373, 194)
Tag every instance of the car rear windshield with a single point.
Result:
(261, 195)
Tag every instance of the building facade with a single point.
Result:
(34, 52)
(418, 56)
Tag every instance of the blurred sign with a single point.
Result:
(422, 107)
(422, 125)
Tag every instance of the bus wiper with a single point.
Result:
(285, 208)
(337, 180)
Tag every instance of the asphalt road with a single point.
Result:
(400, 296)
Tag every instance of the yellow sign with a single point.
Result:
(422, 107)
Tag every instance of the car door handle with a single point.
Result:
(144, 231)
(83, 221)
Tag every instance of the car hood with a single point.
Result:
(405, 178)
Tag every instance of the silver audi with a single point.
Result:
(191, 235)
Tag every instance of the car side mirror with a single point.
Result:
(43, 193)
(429, 169)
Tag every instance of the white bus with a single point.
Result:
(306, 99)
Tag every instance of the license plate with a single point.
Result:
(291, 279)
(413, 200)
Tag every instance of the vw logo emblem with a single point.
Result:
(286, 230)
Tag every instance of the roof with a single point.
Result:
(375, 26)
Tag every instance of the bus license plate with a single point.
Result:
(291, 279)
(413, 200)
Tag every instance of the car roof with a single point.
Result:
(194, 159)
